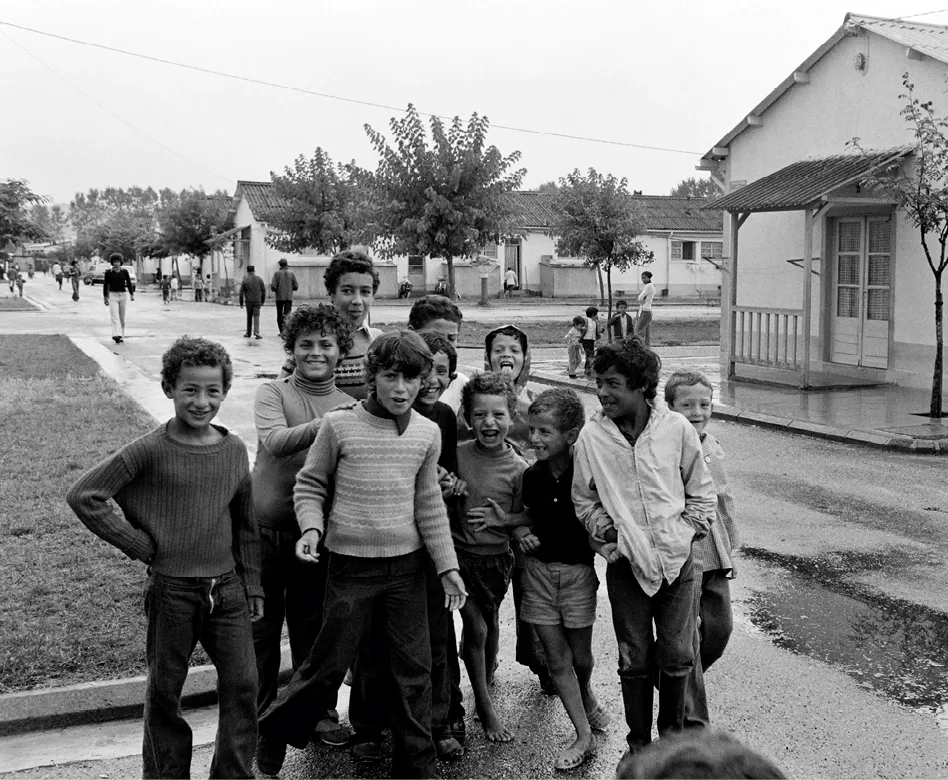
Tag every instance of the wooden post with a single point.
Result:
(808, 219)
(729, 301)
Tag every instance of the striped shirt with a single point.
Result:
(714, 550)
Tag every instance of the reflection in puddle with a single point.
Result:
(893, 647)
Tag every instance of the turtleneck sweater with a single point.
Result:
(287, 413)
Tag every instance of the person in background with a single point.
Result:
(165, 285)
(590, 337)
(208, 289)
(114, 284)
(74, 276)
(58, 274)
(174, 286)
(643, 324)
(283, 285)
(254, 292)
(510, 282)
(574, 347)
(198, 285)
(621, 326)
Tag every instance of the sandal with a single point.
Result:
(449, 749)
(574, 757)
(598, 718)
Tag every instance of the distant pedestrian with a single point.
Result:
(643, 325)
(165, 289)
(74, 276)
(185, 492)
(510, 282)
(12, 274)
(574, 347)
(114, 284)
(174, 287)
(283, 285)
(254, 292)
(208, 289)
(58, 274)
(621, 326)
(19, 282)
(198, 285)
(590, 337)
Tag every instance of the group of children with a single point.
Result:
(389, 490)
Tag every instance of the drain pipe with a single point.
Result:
(668, 255)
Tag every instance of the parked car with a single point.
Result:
(96, 274)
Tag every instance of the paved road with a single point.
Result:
(837, 667)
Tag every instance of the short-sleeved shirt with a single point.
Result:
(549, 501)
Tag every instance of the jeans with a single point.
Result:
(357, 587)
(182, 611)
(117, 313)
(715, 626)
(283, 311)
(291, 588)
(671, 651)
(253, 318)
(643, 327)
(589, 348)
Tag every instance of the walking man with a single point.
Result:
(283, 285)
(58, 274)
(114, 285)
(254, 292)
(510, 282)
(74, 276)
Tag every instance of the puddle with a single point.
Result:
(890, 646)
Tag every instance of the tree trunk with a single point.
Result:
(609, 308)
(935, 408)
(450, 262)
(602, 292)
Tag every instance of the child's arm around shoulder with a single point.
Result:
(700, 498)
(727, 513)
(314, 481)
(278, 438)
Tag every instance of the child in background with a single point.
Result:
(287, 414)
(185, 492)
(559, 582)
(630, 453)
(198, 285)
(690, 393)
(165, 289)
(574, 348)
(590, 337)
(370, 484)
(437, 314)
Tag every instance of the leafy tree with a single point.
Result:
(17, 222)
(446, 199)
(114, 220)
(596, 218)
(695, 188)
(548, 186)
(323, 205)
(188, 221)
(921, 194)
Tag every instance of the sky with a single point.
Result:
(675, 74)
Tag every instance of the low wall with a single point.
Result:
(309, 276)
(467, 280)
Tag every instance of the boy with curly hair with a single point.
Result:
(287, 414)
(185, 491)
(643, 491)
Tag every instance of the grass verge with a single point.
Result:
(16, 304)
(70, 604)
(546, 333)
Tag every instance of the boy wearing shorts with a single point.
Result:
(560, 583)
(185, 492)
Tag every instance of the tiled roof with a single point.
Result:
(536, 208)
(226, 204)
(803, 183)
(670, 212)
(260, 196)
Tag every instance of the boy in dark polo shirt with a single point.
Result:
(560, 583)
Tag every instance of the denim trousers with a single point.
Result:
(292, 589)
(670, 650)
(181, 612)
(714, 630)
(394, 589)
(367, 700)
(643, 327)
(283, 311)
(253, 318)
(589, 350)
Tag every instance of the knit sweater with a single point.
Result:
(495, 473)
(350, 370)
(383, 487)
(287, 413)
(188, 507)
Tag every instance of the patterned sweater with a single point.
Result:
(188, 507)
(714, 551)
(382, 486)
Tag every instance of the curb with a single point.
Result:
(100, 701)
(866, 438)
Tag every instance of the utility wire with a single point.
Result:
(909, 16)
(328, 96)
(113, 114)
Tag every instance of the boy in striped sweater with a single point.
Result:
(370, 486)
(186, 493)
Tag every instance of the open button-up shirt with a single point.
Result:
(658, 495)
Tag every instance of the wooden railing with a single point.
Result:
(767, 337)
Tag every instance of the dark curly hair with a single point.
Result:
(433, 307)
(116, 256)
(191, 351)
(563, 404)
(636, 362)
(488, 383)
(349, 261)
(402, 350)
(437, 343)
(323, 319)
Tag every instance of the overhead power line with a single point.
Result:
(327, 96)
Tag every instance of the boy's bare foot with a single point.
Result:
(494, 730)
(576, 754)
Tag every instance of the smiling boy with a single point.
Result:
(370, 485)
(185, 492)
(643, 492)
(437, 314)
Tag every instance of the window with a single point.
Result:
(416, 263)
(683, 250)
(713, 250)
(490, 250)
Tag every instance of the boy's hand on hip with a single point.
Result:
(490, 515)
(307, 546)
(256, 608)
(455, 594)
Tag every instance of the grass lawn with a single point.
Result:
(546, 333)
(70, 604)
(16, 304)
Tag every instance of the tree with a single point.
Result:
(188, 222)
(695, 188)
(596, 218)
(114, 220)
(17, 223)
(444, 200)
(323, 205)
(548, 187)
(921, 193)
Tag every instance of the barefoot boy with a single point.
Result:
(370, 483)
(641, 487)
(492, 472)
(560, 583)
(185, 491)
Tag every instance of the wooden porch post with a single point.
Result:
(808, 219)
(729, 301)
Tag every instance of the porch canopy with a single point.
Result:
(808, 186)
